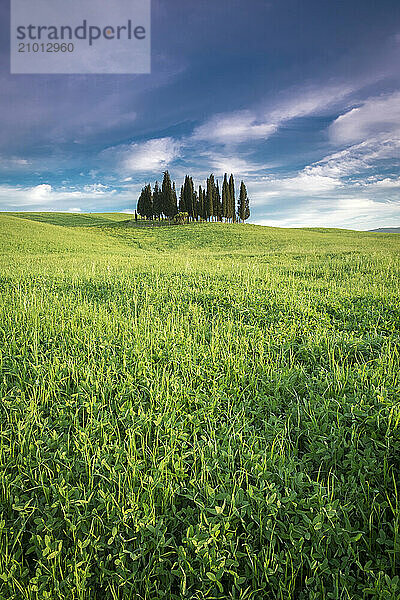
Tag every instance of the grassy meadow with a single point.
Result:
(209, 411)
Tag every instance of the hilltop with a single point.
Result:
(51, 230)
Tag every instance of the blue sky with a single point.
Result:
(301, 99)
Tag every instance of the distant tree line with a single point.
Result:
(206, 204)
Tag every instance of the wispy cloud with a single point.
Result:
(152, 155)
(265, 190)
(46, 197)
(375, 117)
(351, 212)
(358, 158)
(388, 183)
(98, 189)
(14, 163)
(257, 124)
(234, 127)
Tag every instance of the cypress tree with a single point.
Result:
(182, 207)
(148, 199)
(226, 201)
(232, 209)
(139, 204)
(169, 199)
(140, 207)
(210, 197)
(157, 201)
(188, 197)
(192, 198)
(205, 214)
(145, 202)
(217, 202)
(174, 201)
(201, 204)
(166, 190)
(195, 205)
(243, 208)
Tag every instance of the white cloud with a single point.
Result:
(12, 198)
(374, 118)
(150, 156)
(10, 163)
(264, 190)
(350, 212)
(45, 197)
(357, 158)
(305, 102)
(39, 194)
(234, 127)
(74, 210)
(220, 163)
(247, 125)
(308, 183)
(387, 183)
(98, 188)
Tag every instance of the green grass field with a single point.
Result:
(206, 412)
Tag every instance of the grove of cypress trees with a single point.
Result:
(207, 204)
(243, 208)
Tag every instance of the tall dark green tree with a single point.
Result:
(226, 199)
(232, 198)
(140, 203)
(157, 201)
(182, 205)
(169, 199)
(205, 213)
(195, 206)
(174, 200)
(217, 209)
(145, 202)
(188, 198)
(244, 205)
(202, 204)
(210, 197)
(149, 201)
